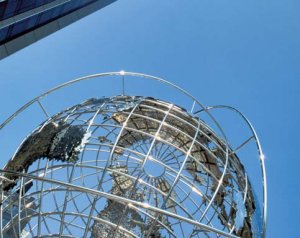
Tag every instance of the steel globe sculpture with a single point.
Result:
(128, 166)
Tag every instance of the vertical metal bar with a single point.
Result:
(122, 73)
(62, 223)
(41, 199)
(193, 106)
(43, 108)
(19, 207)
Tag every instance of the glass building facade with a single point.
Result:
(23, 22)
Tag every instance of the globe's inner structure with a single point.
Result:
(126, 167)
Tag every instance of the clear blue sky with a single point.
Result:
(241, 53)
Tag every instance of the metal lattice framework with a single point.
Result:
(129, 166)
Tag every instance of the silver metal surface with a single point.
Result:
(129, 166)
